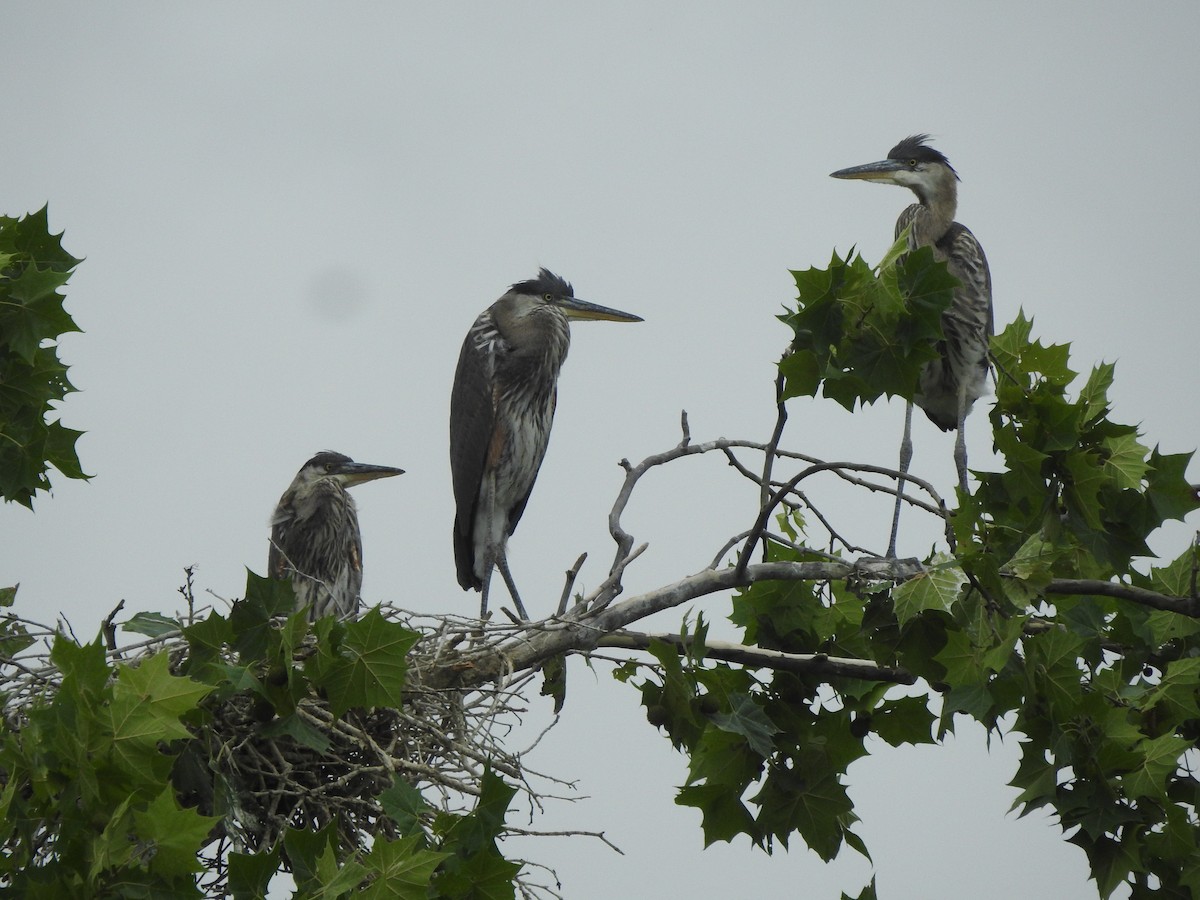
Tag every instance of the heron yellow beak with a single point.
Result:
(581, 309)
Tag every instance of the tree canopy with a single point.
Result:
(367, 757)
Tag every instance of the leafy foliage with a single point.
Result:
(33, 269)
(166, 775)
(114, 785)
(1104, 690)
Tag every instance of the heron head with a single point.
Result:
(913, 164)
(550, 290)
(342, 470)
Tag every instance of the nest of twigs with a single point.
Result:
(263, 774)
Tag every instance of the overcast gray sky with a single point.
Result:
(291, 213)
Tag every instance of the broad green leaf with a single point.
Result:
(151, 624)
(937, 588)
(370, 669)
(747, 719)
(172, 836)
(401, 869)
(905, 720)
(250, 873)
(146, 706)
(404, 805)
(723, 815)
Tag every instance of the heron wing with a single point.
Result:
(277, 564)
(472, 423)
(542, 439)
(970, 266)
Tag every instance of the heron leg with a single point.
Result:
(906, 451)
(960, 441)
(502, 565)
(487, 581)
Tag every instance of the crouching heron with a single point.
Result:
(950, 384)
(315, 538)
(501, 410)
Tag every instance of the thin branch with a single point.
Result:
(819, 664)
(1185, 606)
(572, 574)
(109, 628)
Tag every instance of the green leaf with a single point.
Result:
(746, 718)
(1160, 759)
(250, 873)
(146, 707)
(1125, 463)
(171, 836)
(33, 267)
(297, 728)
(151, 624)
(404, 805)
(250, 619)
(370, 668)
(811, 802)
(402, 869)
(905, 720)
(723, 816)
(936, 588)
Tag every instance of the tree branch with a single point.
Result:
(757, 658)
(1185, 606)
(582, 627)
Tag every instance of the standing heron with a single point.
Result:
(315, 539)
(501, 410)
(949, 385)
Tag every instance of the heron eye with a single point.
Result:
(912, 163)
(548, 297)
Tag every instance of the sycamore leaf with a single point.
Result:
(404, 805)
(936, 588)
(172, 836)
(371, 666)
(1160, 759)
(250, 873)
(146, 705)
(723, 816)
(1125, 462)
(905, 720)
(1094, 396)
(402, 869)
(151, 624)
(748, 719)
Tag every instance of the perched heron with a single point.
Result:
(315, 539)
(949, 385)
(501, 410)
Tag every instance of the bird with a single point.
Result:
(315, 539)
(949, 385)
(501, 409)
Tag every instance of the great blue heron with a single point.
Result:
(501, 410)
(315, 539)
(950, 385)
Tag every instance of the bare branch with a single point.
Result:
(572, 574)
(582, 628)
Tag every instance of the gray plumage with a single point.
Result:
(315, 537)
(501, 411)
(949, 385)
(968, 322)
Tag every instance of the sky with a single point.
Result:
(291, 213)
